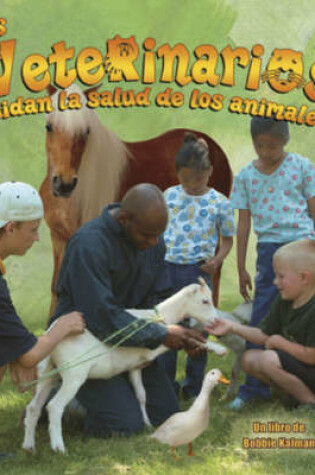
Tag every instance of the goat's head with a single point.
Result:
(199, 303)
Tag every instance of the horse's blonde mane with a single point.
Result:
(103, 161)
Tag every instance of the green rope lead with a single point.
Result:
(70, 363)
(105, 340)
(138, 326)
(78, 359)
(115, 345)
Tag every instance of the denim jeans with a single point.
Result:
(265, 293)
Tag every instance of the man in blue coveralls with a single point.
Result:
(112, 263)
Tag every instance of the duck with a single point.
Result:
(184, 427)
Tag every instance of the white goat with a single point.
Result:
(194, 300)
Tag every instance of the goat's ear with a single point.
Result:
(202, 281)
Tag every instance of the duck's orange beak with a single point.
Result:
(223, 380)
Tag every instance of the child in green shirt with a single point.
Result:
(288, 331)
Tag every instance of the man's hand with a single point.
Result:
(71, 323)
(196, 352)
(219, 327)
(180, 337)
(20, 374)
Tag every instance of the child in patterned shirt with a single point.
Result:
(198, 217)
(277, 190)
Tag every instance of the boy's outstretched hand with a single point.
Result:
(219, 327)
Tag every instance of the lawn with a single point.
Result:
(219, 450)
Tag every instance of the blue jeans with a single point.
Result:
(265, 293)
(182, 275)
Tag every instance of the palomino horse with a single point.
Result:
(89, 167)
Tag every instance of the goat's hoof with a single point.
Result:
(29, 448)
(59, 449)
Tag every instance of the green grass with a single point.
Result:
(218, 450)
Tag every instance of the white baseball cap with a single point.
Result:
(19, 202)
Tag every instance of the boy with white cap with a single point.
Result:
(21, 210)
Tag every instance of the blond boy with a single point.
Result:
(288, 331)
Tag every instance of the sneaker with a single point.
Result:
(237, 404)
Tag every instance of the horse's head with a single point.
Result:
(199, 304)
(67, 132)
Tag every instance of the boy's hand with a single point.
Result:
(20, 374)
(219, 327)
(71, 323)
(244, 283)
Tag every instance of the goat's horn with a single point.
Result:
(201, 281)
